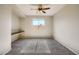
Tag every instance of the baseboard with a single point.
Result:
(30, 37)
(65, 45)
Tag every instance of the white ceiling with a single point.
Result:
(26, 9)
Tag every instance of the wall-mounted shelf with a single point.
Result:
(16, 32)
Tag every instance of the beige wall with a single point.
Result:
(66, 27)
(15, 23)
(31, 31)
(5, 29)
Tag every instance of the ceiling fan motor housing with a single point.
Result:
(39, 9)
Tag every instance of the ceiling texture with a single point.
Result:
(26, 9)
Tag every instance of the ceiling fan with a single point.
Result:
(41, 8)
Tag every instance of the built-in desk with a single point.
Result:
(15, 35)
(17, 32)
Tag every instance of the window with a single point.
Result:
(37, 22)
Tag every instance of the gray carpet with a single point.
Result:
(38, 47)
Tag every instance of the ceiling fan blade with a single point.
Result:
(43, 11)
(45, 8)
